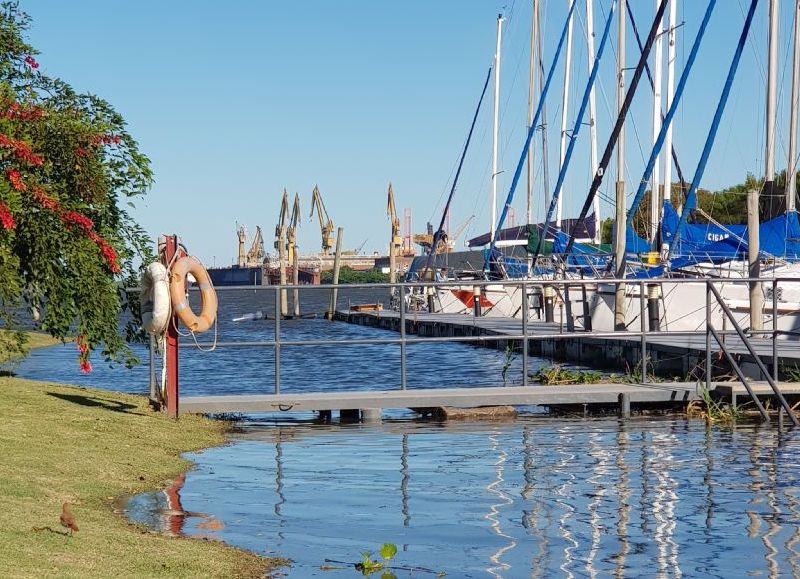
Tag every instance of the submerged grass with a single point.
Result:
(712, 411)
(89, 447)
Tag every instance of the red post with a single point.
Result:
(170, 250)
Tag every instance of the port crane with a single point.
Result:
(280, 245)
(447, 243)
(396, 241)
(325, 222)
(256, 253)
(291, 231)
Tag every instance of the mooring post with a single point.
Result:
(170, 251)
(652, 307)
(549, 304)
(402, 338)
(430, 293)
(371, 415)
(775, 329)
(643, 329)
(476, 301)
(624, 405)
(524, 334)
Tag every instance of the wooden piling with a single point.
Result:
(336, 264)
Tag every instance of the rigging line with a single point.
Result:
(531, 131)
(440, 232)
(576, 129)
(667, 120)
(691, 197)
(612, 140)
(653, 87)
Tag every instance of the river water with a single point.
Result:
(537, 496)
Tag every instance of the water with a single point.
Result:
(533, 497)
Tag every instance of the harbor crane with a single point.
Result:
(280, 245)
(396, 241)
(256, 253)
(325, 222)
(241, 233)
(291, 231)
(447, 243)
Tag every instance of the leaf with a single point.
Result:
(388, 551)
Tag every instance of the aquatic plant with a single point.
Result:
(712, 411)
(557, 375)
(369, 565)
(508, 359)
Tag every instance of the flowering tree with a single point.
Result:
(67, 244)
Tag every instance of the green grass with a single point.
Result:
(90, 447)
(11, 348)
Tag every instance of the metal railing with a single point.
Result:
(528, 287)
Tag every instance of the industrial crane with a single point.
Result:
(446, 243)
(325, 223)
(280, 245)
(256, 253)
(395, 240)
(291, 230)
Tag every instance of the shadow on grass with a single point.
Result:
(96, 401)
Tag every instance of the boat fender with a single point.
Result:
(154, 298)
(208, 297)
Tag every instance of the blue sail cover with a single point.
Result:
(582, 256)
(503, 266)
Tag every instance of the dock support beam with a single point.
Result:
(652, 307)
(371, 415)
(549, 304)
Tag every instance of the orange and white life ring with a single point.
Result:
(177, 291)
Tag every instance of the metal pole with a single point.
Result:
(564, 114)
(173, 387)
(277, 340)
(775, 330)
(671, 56)
(619, 219)
(655, 193)
(708, 336)
(402, 338)
(296, 281)
(154, 394)
(531, 92)
(524, 333)
(794, 104)
(336, 264)
(496, 123)
(592, 116)
(643, 329)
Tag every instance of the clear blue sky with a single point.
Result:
(235, 101)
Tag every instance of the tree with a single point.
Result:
(67, 244)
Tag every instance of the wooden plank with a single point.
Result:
(456, 397)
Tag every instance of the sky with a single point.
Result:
(234, 102)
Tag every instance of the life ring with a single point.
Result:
(208, 297)
(154, 298)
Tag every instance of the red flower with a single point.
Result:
(110, 256)
(6, 219)
(16, 180)
(30, 61)
(86, 366)
(81, 152)
(83, 346)
(75, 218)
(43, 199)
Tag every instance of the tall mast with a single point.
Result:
(531, 93)
(496, 122)
(791, 166)
(545, 166)
(671, 53)
(564, 113)
(592, 123)
(655, 188)
(619, 219)
(753, 221)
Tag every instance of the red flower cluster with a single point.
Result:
(16, 180)
(6, 219)
(30, 61)
(75, 218)
(16, 112)
(106, 139)
(81, 152)
(86, 366)
(22, 150)
(83, 346)
(43, 199)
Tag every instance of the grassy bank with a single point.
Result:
(33, 340)
(89, 447)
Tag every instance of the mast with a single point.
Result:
(543, 123)
(791, 166)
(592, 111)
(531, 92)
(619, 214)
(496, 122)
(671, 53)
(655, 188)
(564, 112)
(753, 221)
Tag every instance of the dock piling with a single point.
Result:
(624, 405)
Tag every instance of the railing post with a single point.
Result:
(643, 326)
(524, 334)
(402, 338)
(170, 250)
(708, 336)
(775, 329)
(277, 339)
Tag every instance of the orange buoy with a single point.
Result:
(177, 290)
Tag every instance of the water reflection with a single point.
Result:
(530, 497)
